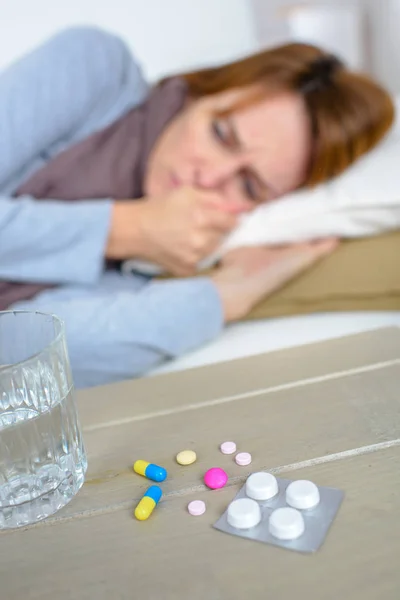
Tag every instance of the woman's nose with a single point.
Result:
(214, 175)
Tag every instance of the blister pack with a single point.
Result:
(291, 514)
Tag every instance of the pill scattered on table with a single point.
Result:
(215, 478)
(261, 486)
(153, 472)
(197, 508)
(228, 448)
(148, 503)
(302, 494)
(286, 524)
(244, 513)
(186, 457)
(243, 459)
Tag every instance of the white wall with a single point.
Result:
(381, 25)
(385, 41)
(173, 35)
(166, 35)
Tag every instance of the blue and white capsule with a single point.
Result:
(153, 472)
(148, 503)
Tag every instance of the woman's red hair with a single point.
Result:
(349, 113)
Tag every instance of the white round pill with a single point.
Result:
(228, 447)
(244, 513)
(302, 494)
(286, 523)
(197, 508)
(243, 459)
(261, 486)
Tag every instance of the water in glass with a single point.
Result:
(42, 457)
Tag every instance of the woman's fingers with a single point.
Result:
(247, 275)
(301, 254)
(304, 255)
(325, 246)
(214, 219)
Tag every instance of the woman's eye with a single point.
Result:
(220, 131)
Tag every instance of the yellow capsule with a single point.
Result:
(140, 467)
(148, 503)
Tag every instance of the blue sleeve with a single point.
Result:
(67, 85)
(123, 334)
(53, 242)
(64, 85)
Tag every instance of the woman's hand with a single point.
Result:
(175, 231)
(247, 275)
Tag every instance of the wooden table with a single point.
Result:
(328, 412)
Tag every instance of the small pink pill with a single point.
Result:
(228, 448)
(215, 478)
(243, 459)
(197, 508)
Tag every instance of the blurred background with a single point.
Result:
(169, 36)
(173, 35)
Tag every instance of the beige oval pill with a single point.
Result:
(186, 457)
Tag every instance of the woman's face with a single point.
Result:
(257, 153)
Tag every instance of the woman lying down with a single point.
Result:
(95, 169)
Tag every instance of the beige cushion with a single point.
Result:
(362, 275)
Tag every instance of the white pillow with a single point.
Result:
(364, 201)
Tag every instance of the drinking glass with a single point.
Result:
(42, 456)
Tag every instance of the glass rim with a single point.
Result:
(45, 348)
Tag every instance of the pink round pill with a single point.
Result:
(197, 508)
(215, 478)
(243, 459)
(228, 448)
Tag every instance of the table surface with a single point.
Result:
(327, 412)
